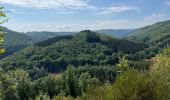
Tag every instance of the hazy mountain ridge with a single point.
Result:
(44, 35)
(119, 33)
(15, 41)
(83, 48)
(151, 33)
(87, 60)
(155, 35)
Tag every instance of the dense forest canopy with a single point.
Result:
(44, 35)
(118, 33)
(15, 41)
(87, 83)
(84, 48)
(86, 65)
(151, 33)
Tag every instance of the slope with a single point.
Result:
(119, 33)
(84, 48)
(44, 35)
(151, 33)
(15, 41)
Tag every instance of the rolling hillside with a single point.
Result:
(157, 36)
(119, 33)
(151, 33)
(15, 41)
(40, 36)
(84, 48)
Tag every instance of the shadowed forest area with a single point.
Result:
(131, 64)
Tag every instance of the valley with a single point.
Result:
(84, 50)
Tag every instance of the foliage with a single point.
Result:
(2, 15)
(52, 85)
(161, 70)
(15, 41)
(102, 73)
(123, 64)
(44, 35)
(133, 85)
(119, 33)
(151, 33)
(53, 40)
(79, 84)
(130, 85)
(84, 48)
(72, 83)
(99, 72)
(157, 36)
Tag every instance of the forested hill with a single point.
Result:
(118, 33)
(150, 34)
(44, 35)
(15, 41)
(84, 48)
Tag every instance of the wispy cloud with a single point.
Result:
(167, 3)
(25, 12)
(10, 10)
(118, 9)
(47, 4)
(155, 16)
(105, 24)
(65, 12)
(75, 27)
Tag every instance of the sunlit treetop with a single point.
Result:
(2, 20)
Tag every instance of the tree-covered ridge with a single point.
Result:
(17, 38)
(86, 83)
(151, 33)
(84, 48)
(157, 36)
(118, 33)
(53, 40)
(85, 66)
(15, 41)
(40, 36)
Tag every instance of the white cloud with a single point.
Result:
(10, 10)
(47, 4)
(118, 9)
(105, 24)
(25, 12)
(167, 3)
(155, 16)
(65, 12)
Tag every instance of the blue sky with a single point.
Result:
(76, 15)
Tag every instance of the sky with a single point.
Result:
(77, 15)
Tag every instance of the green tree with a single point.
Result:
(72, 83)
(123, 64)
(2, 16)
(160, 72)
(87, 81)
(139, 85)
(7, 87)
(23, 83)
(53, 85)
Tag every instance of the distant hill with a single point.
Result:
(151, 33)
(15, 41)
(84, 48)
(119, 33)
(157, 36)
(44, 35)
